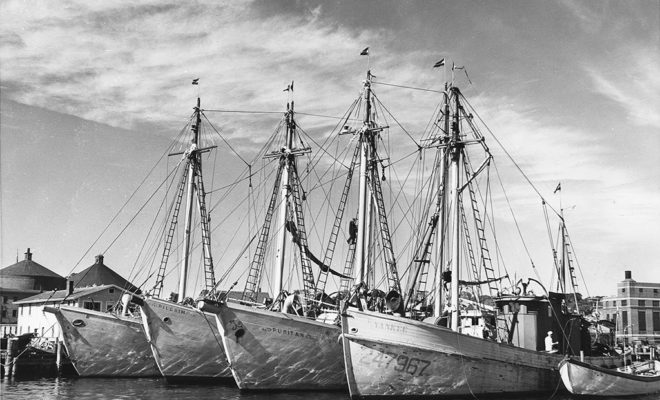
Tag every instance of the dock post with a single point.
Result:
(58, 355)
(582, 355)
(9, 358)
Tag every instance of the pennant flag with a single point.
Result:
(558, 189)
(289, 88)
(365, 52)
(454, 66)
(195, 81)
(466, 75)
(439, 63)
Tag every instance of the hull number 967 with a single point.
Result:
(401, 363)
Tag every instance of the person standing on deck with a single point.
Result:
(549, 344)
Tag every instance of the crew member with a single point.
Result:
(549, 344)
(352, 231)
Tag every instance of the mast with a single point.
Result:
(284, 196)
(437, 307)
(562, 261)
(192, 156)
(456, 150)
(363, 226)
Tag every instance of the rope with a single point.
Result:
(407, 87)
(226, 142)
(508, 155)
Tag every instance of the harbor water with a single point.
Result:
(112, 388)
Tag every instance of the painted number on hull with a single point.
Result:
(401, 363)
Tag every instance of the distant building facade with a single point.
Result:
(23, 279)
(97, 288)
(33, 319)
(635, 309)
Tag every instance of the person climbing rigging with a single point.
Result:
(352, 231)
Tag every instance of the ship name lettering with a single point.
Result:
(390, 327)
(288, 332)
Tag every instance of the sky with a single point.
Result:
(92, 92)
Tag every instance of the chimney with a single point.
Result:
(99, 259)
(628, 275)
(28, 255)
(70, 286)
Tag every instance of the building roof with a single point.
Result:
(27, 267)
(100, 274)
(59, 295)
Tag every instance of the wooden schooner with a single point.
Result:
(438, 348)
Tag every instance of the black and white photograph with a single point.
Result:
(329, 199)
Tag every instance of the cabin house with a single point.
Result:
(32, 318)
(18, 281)
(97, 288)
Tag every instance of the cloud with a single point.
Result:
(122, 64)
(632, 80)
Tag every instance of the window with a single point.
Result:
(111, 290)
(624, 303)
(22, 310)
(655, 290)
(656, 321)
(624, 319)
(109, 305)
(641, 317)
(92, 305)
(656, 303)
(4, 314)
(4, 299)
(14, 313)
(614, 303)
(641, 290)
(641, 303)
(623, 290)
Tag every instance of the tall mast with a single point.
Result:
(456, 150)
(362, 237)
(284, 196)
(192, 160)
(562, 261)
(437, 307)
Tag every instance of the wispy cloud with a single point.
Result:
(632, 80)
(120, 63)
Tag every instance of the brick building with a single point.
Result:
(635, 309)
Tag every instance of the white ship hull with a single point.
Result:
(185, 342)
(269, 350)
(393, 356)
(105, 344)
(584, 379)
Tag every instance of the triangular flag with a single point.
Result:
(558, 189)
(195, 81)
(365, 52)
(439, 63)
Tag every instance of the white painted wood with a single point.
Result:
(185, 341)
(270, 350)
(585, 379)
(394, 356)
(105, 344)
